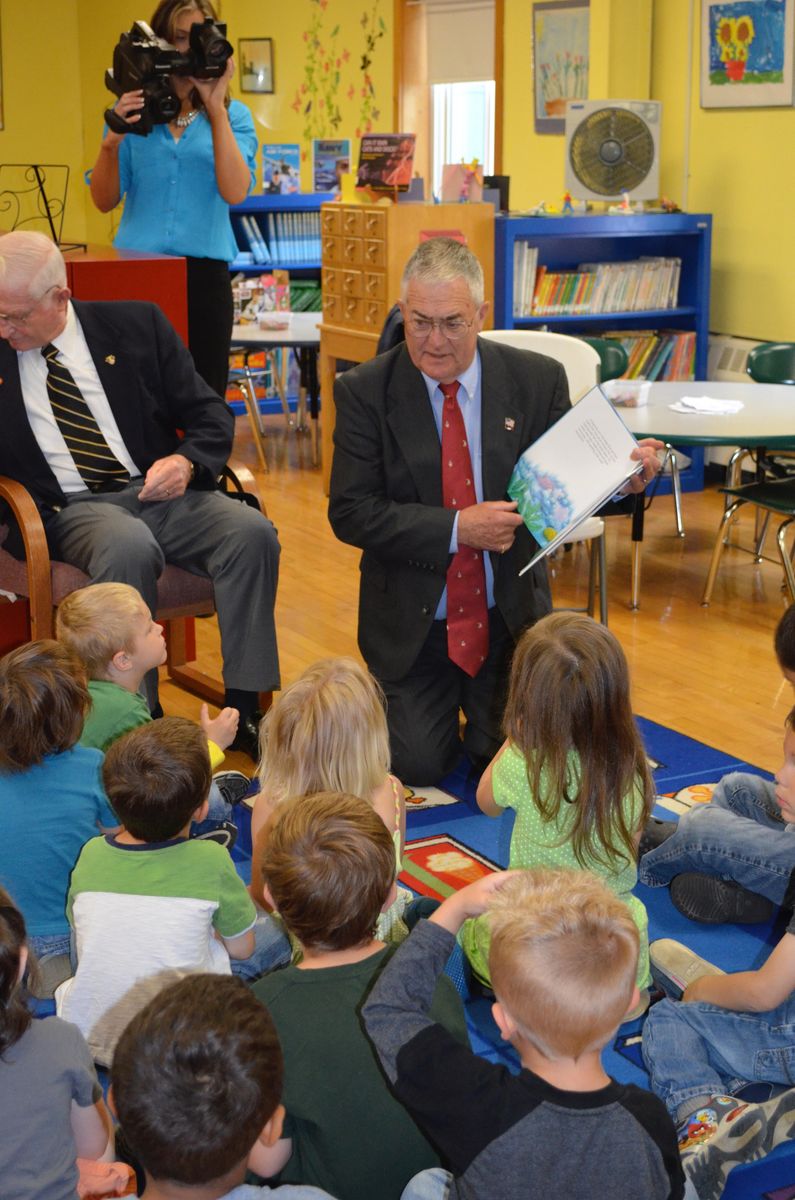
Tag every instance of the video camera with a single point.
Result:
(143, 61)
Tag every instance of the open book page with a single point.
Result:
(572, 470)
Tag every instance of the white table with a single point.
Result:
(303, 337)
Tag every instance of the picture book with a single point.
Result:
(386, 161)
(572, 470)
(330, 160)
(281, 168)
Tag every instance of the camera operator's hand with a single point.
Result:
(213, 91)
(128, 107)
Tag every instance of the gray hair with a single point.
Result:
(441, 260)
(30, 262)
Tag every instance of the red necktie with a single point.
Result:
(467, 612)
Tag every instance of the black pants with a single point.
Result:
(423, 708)
(210, 316)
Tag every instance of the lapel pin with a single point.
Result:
(509, 424)
(110, 359)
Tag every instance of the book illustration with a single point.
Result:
(281, 168)
(331, 158)
(386, 161)
(543, 502)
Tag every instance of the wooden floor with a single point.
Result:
(709, 673)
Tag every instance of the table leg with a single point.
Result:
(328, 371)
(637, 546)
(271, 357)
(254, 416)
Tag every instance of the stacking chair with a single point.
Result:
(181, 595)
(582, 364)
(772, 497)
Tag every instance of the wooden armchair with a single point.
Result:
(180, 594)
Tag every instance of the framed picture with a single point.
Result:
(560, 60)
(746, 53)
(255, 64)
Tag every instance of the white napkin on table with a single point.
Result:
(706, 404)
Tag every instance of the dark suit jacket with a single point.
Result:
(386, 491)
(152, 388)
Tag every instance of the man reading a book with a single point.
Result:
(427, 436)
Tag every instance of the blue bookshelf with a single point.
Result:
(286, 226)
(564, 242)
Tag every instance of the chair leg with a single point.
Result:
(789, 574)
(717, 550)
(593, 570)
(249, 391)
(181, 668)
(761, 535)
(676, 483)
(602, 551)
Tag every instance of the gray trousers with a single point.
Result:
(114, 537)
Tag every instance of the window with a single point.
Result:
(463, 126)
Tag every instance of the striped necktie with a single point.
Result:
(467, 611)
(99, 468)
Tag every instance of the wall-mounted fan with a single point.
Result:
(612, 146)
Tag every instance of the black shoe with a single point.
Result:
(247, 736)
(716, 901)
(233, 786)
(654, 834)
(225, 835)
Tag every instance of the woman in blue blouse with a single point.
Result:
(178, 183)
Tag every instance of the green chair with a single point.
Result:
(771, 497)
(772, 362)
(613, 357)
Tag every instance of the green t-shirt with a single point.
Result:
(114, 712)
(536, 842)
(350, 1135)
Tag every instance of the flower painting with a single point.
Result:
(746, 53)
(560, 61)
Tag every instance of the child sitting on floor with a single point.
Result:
(150, 903)
(731, 859)
(573, 767)
(110, 629)
(328, 732)
(563, 961)
(726, 1029)
(51, 1106)
(329, 868)
(51, 795)
(196, 1084)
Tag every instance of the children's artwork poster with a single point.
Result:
(462, 183)
(281, 168)
(746, 53)
(331, 159)
(560, 60)
(386, 161)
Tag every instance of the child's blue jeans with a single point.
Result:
(739, 835)
(698, 1049)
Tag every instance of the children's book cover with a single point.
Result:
(386, 161)
(331, 159)
(572, 470)
(281, 168)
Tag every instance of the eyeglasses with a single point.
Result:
(449, 327)
(23, 317)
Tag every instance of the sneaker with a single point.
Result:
(702, 1124)
(746, 1133)
(233, 785)
(716, 901)
(655, 832)
(673, 966)
(225, 835)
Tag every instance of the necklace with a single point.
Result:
(183, 122)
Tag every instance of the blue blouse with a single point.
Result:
(172, 204)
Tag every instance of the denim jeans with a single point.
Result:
(698, 1049)
(739, 835)
(272, 949)
(47, 945)
(433, 1184)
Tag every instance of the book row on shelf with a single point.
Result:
(642, 285)
(658, 354)
(284, 237)
(273, 292)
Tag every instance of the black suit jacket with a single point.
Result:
(386, 491)
(152, 388)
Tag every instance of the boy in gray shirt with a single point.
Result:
(562, 961)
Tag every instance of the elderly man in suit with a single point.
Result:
(120, 442)
(427, 436)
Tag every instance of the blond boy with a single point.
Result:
(563, 957)
(110, 629)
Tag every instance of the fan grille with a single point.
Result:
(611, 151)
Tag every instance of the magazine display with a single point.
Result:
(572, 470)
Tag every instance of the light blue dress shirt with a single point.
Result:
(469, 400)
(171, 200)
